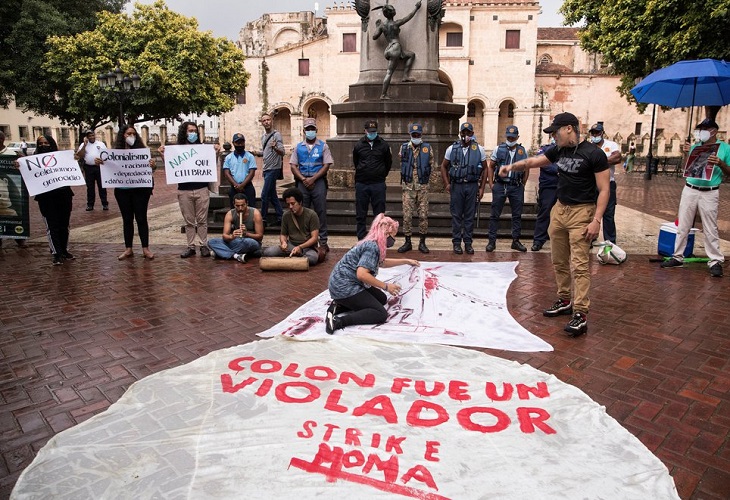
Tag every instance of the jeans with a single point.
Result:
(569, 249)
(365, 308)
(609, 224)
(225, 249)
(365, 195)
(502, 192)
(546, 198)
(133, 203)
(276, 251)
(93, 176)
(268, 194)
(463, 207)
(316, 199)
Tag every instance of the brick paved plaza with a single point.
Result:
(73, 338)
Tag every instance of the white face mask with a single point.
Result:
(595, 139)
(130, 139)
(416, 141)
(510, 143)
(704, 135)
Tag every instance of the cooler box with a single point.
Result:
(667, 237)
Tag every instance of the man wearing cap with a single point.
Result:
(272, 152)
(416, 163)
(243, 231)
(90, 151)
(372, 159)
(703, 196)
(575, 220)
(613, 155)
(239, 168)
(310, 161)
(510, 188)
(463, 172)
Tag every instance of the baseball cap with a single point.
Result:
(310, 122)
(416, 128)
(707, 123)
(371, 124)
(512, 131)
(87, 132)
(466, 126)
(238, 137)
(598, 127)
(561, 120)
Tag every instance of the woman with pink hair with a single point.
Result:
(357, 295)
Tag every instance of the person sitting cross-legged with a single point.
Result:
(299, 230)
(243, 230)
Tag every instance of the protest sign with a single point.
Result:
(45, 172)
(697, 166)
(14, 213)
(190, 163)
(126, 168)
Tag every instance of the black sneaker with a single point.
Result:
(517, 245)
(716, 270)
(577, 326)
(187, 253)
(105, 207)
(89, 208)
(468, 248)
(57, 260)
(332, 323)
(491, 246)
(559, 308)
(457, 249)
(204, 252)
(68, 256)
(536, 247)
(671, 263)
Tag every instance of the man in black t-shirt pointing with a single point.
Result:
(575, 220)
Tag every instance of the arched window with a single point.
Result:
(471, 110)
(545, 59)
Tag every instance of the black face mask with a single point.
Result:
(43, 149)
(390, 242)
(240, 149)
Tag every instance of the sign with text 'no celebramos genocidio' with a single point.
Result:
(190, 163)
(43, 173)
(126, 168)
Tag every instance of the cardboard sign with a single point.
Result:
(128, 168)
(46, 172)
(190, 163)
(14, 213)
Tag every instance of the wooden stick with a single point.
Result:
(240, 221)
(284, 264)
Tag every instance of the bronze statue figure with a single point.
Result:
(394, 52)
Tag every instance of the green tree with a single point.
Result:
(640, 36)
(182, 69)
(25, 25)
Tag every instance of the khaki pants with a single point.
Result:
(570, 251)
(194, 208)
(706, 203)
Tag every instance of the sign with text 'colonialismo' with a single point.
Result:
(126, 168)
(46, 172)
(190, 163)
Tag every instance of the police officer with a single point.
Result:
(310, 161)
(416, 162)
(547, 195)
(510, 188)
(463, 172)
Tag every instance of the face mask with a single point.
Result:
(510, 143)
(43, 149)
(130, 140)
(704, 135)
(310, 134)
(192, 137)
(466, 139)
(596, 139)
(372, 136)
(239, 149)
(390, 242)
(552, 140)
(416, 141)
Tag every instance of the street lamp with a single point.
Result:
(122, 85)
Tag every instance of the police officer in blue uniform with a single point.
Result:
(463, 172)
(510, 188)
(547, 195)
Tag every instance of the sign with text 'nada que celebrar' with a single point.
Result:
(46, 172)
(190, 163)
(126, 168)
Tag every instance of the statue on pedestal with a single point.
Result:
(394, 52)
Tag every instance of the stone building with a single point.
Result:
(493, 57)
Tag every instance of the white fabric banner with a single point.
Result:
(348, 418)
(462, 304)
(45, 172)
(190, 163)
(126, 168)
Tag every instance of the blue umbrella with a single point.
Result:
(705, 82)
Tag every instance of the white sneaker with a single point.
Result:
(240, 257)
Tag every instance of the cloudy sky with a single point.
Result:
(227, 17)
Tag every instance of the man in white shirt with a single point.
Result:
(89, 151)
(613, 155)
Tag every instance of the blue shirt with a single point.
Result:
(239, 165)
(343, 280)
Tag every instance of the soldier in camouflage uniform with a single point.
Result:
(416, 162)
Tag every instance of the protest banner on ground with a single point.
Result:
(126, 168)
(190, 163)
(45, 172)
(14, 210)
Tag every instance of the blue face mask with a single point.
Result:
(310, 134)
(372, 136)
(192, 137)
(595, 139)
